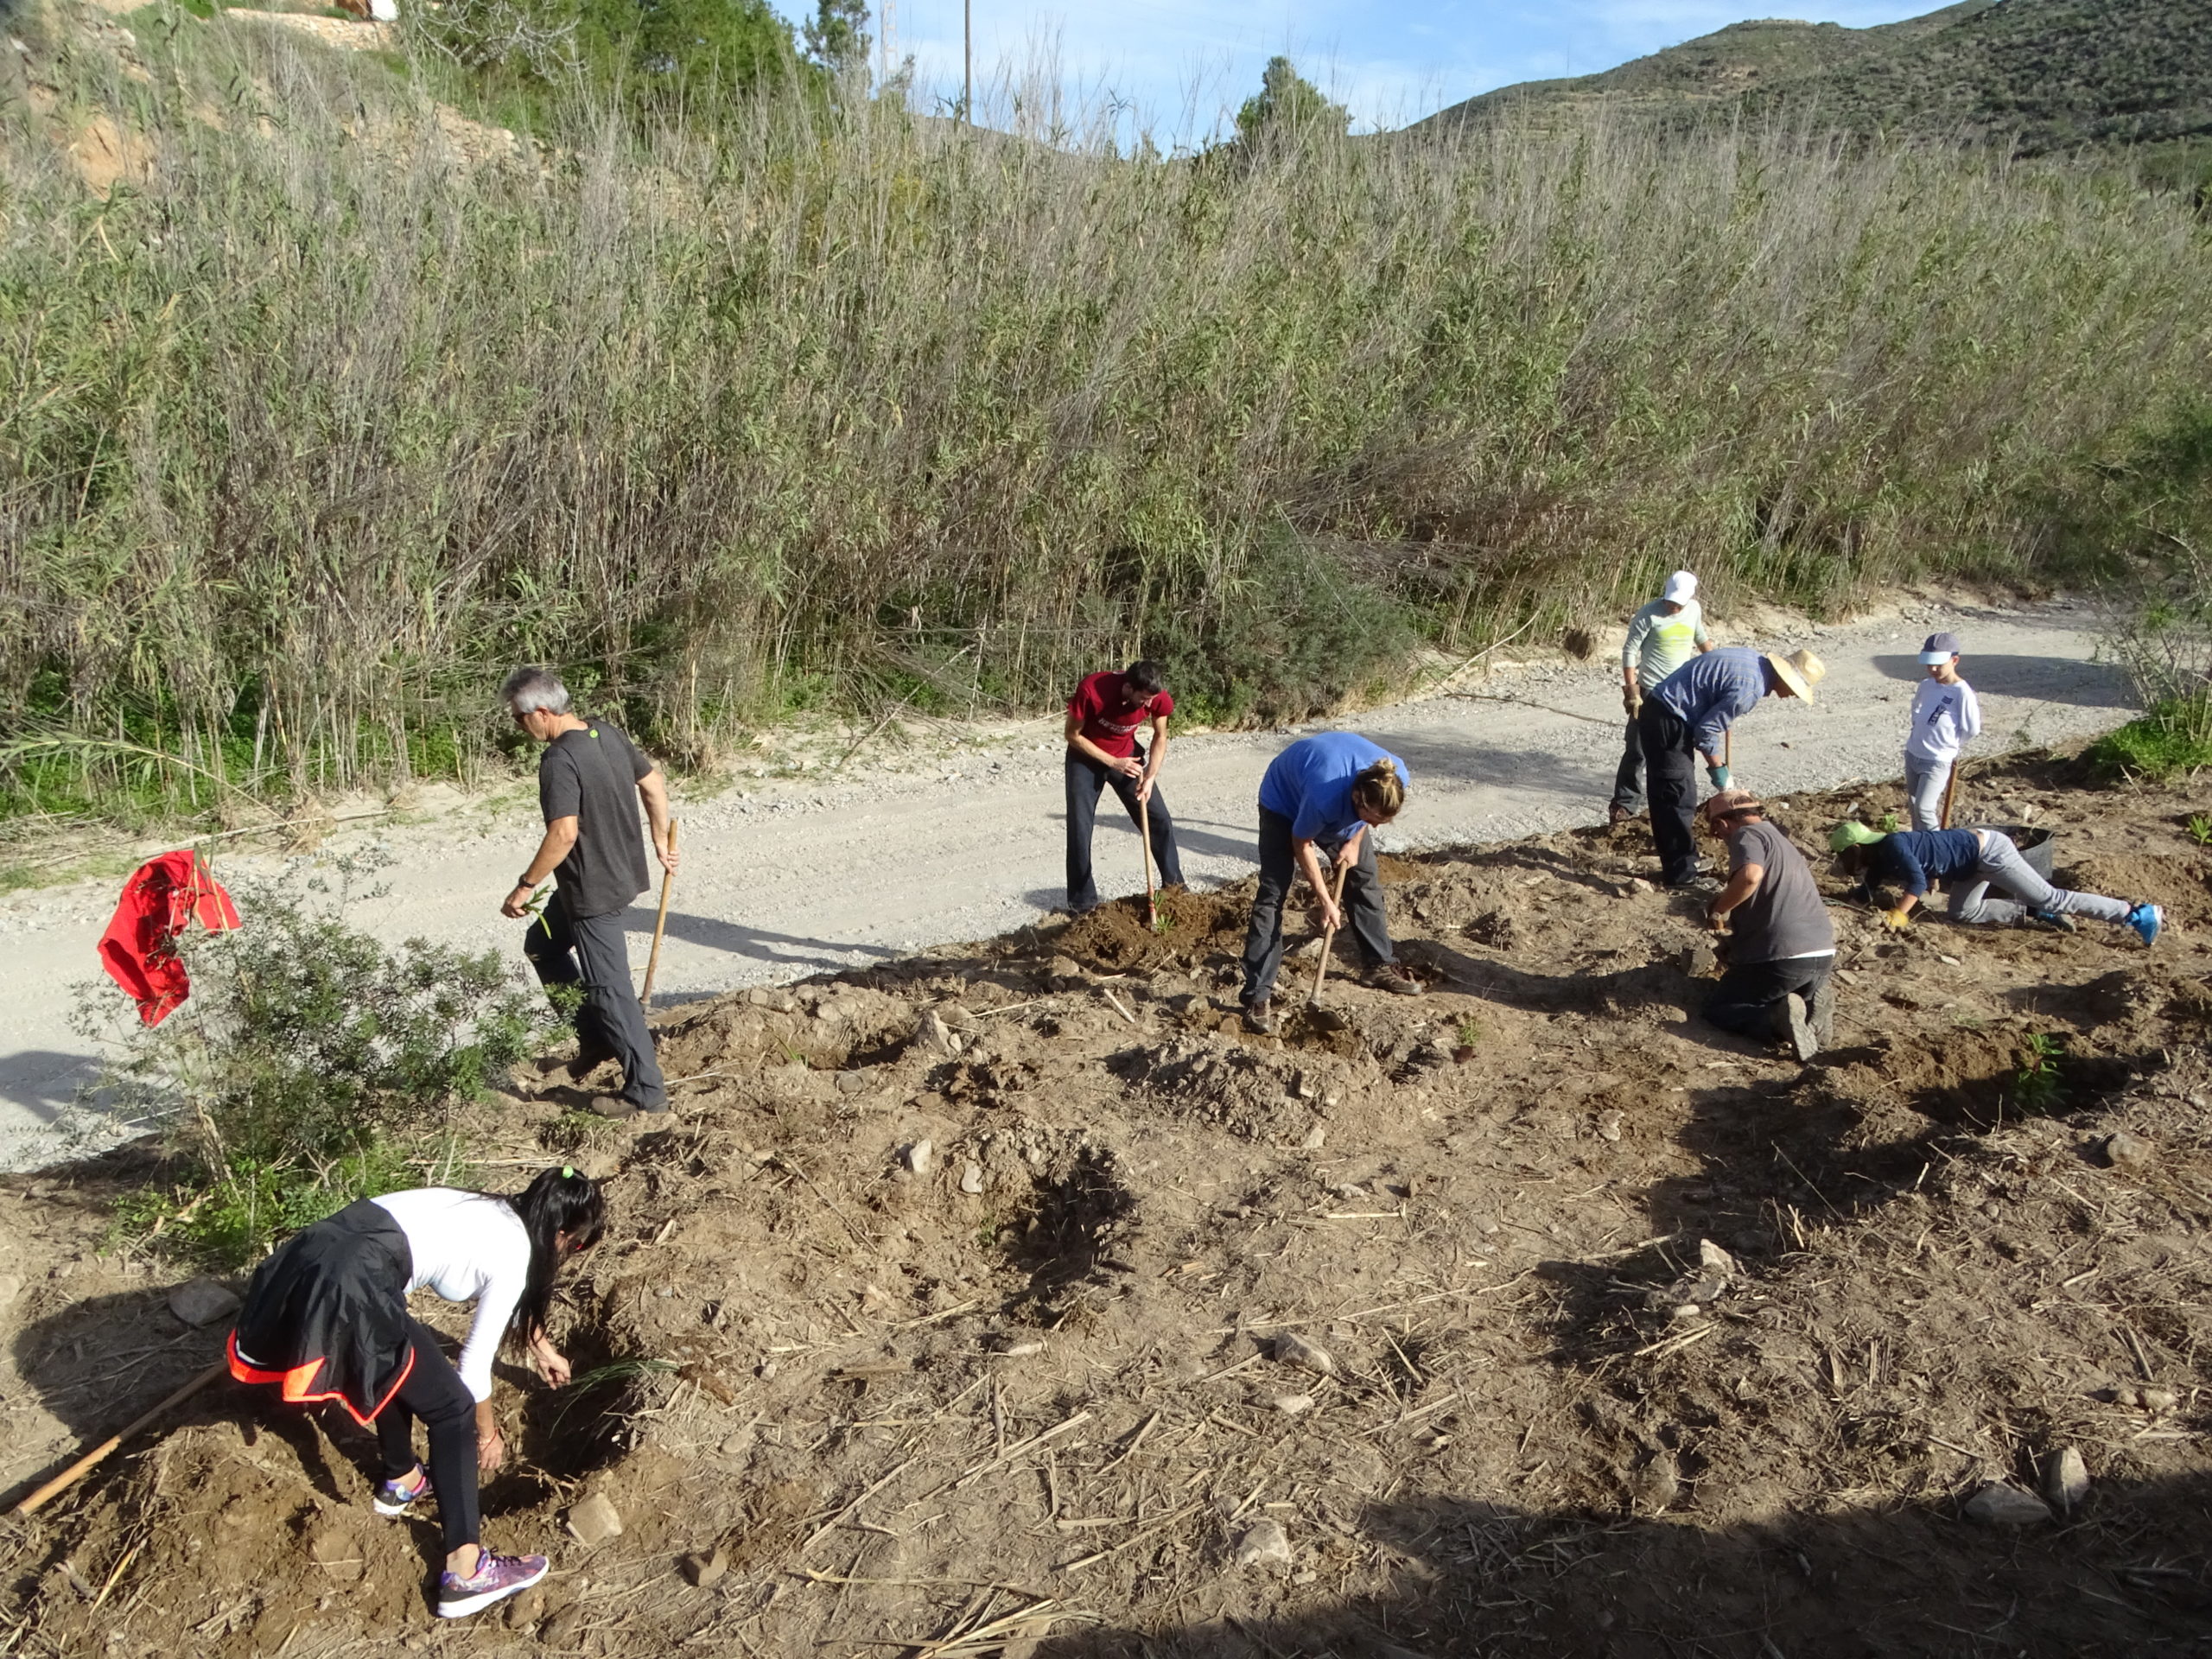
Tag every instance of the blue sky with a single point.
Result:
(1181, 65)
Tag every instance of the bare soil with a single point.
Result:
(1643, 1339)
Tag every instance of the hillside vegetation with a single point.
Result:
(313, 424)
(2041, 75)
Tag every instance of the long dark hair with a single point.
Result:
(559, 1201)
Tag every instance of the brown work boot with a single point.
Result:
(610, 1106)
(1618, 814)
(1388, 976)
(1823, 1014)
(1260, 1018)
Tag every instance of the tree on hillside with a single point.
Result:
(699, 52)
(837, 37)
(1287, 103)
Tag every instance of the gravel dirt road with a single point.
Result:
(789, 875)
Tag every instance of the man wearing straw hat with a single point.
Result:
(590, 780)
(1688, 715)
(1781, 945)
(1662, 637)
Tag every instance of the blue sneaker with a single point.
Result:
(2146, 920)
(397, 1498)
(496, 1578)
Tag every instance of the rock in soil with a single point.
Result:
(917, 1157)
(562, 1631)
(1999, 1505)
(971, 1180)
(202, 1302)
(2066, 1480)
(1293, 1405)
(1263, 1544)
(594, 1520)
(2122, 1150)
(1291, 1349)
(707, 1567)
(1657, 1484)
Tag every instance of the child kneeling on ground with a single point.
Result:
(1969, 863)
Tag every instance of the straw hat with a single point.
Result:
(1799, 671)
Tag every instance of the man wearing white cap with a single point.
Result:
(1945, 714)
(1662, 637)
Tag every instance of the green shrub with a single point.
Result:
(2173, 739)
(312, 1066)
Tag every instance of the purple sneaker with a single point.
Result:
(394, 1497)
(496, 1578)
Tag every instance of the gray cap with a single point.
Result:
(1940, 648)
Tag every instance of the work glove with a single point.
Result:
(1897, 920)
(1632, 700)
(1719, 775)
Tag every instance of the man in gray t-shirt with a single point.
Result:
(590, 781)
(1781, 945)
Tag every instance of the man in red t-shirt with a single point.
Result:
(1103, 716)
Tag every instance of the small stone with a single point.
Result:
(1022, 1349)
(933, 1036)
(594, 1520)
(875, 1298)
(202, 1302)
(917, 1157)
(1064, 968)
(1637, 884)
(2124, 1151)
(1293, 1405)
(706, 1568)
(766, 1370)
(11, 1286)
(1999, 1505)
(1684, 1311)
(1263, 1544)
(1291, 1349)
(1699, 960)
(1657, 1483)
(2155, 1400)
(1953, 961)
(851, 1082)
(1608, 1126)
(971, 1179)
(1714, 1259)
(526, 1609)
(2065, 1479)
(1316, 1138)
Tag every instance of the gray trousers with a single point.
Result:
(610, 1024)
(2002, 867)
(1924, 782)
(1362, 906)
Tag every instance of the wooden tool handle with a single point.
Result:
(1329, 935)
(660, 923)
(1144, 834)
(98, 1454)
(1951, 788)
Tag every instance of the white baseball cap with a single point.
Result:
(1681, 588)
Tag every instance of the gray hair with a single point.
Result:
(535, 690)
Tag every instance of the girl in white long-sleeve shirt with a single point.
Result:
(326, 1319)
(1945, 717)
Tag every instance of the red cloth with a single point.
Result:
(1098, 704)
(160, 901)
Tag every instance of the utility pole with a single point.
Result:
(967, 62)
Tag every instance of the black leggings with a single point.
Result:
(434, 1393)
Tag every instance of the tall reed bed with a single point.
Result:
(313, 434)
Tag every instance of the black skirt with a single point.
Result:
(325, 1317)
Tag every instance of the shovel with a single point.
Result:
(98, 1454)
(660, 923)
(1144, 832)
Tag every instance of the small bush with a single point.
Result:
(2174, 740)
(312, 1066)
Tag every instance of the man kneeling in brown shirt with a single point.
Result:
(1781, 949)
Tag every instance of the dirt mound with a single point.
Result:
(955, 1302)
(1115, 938)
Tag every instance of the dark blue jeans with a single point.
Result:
(611, 1023)
(1085, 779)
(1670, 762)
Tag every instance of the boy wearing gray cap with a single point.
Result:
(1944, 715)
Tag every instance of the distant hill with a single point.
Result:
(2044, 75)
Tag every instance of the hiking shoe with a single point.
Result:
(1697, 884)
(396, 1498)
(1821, 1014)
(610, 1106)
(2052, 920)
(1260, 1018)
(496, 1578)
(2146, 920)
(1618, 814)
(1388, 976)
(1790, 1022)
